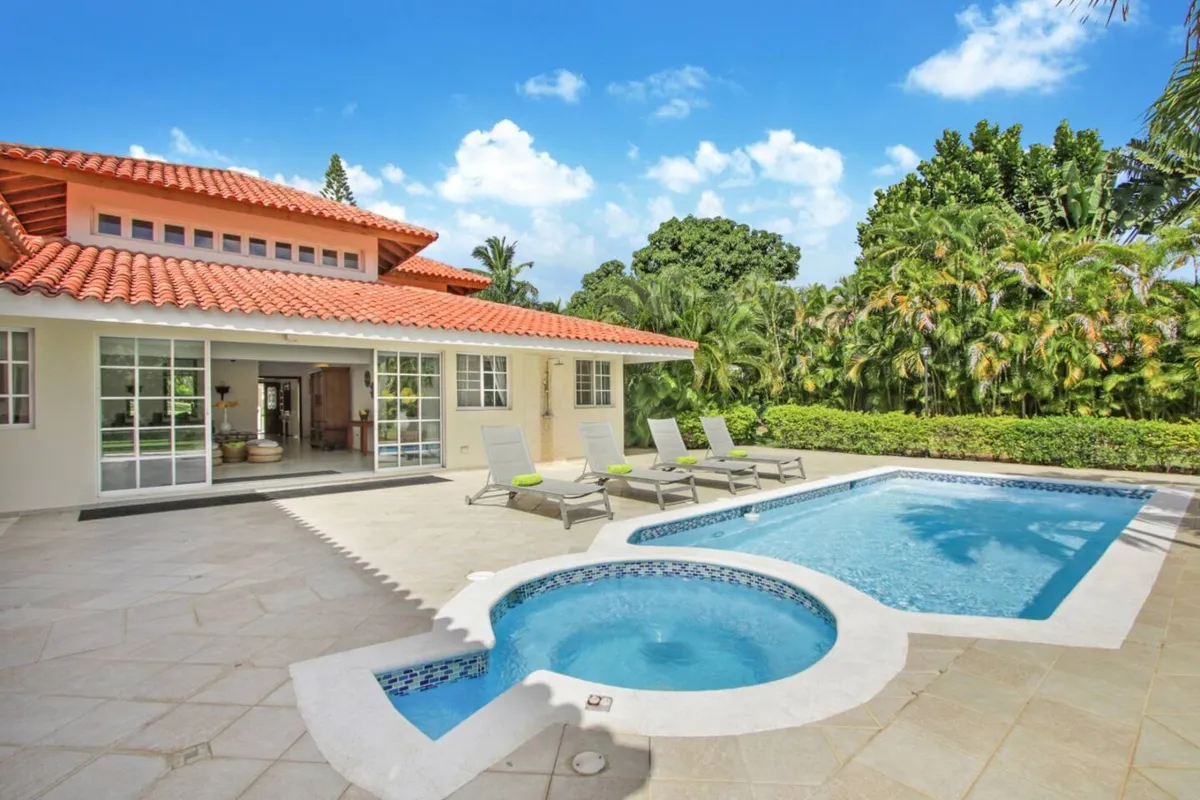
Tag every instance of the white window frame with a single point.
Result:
(184, 228)
(216, 239)
(6, 365)
(593, 389)
(477, 385)
(357, 257)
(154, 229)
(120, 221)
(292, 252)
(241, 251)
(316, 255)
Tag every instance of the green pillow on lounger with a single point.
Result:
(738, 453)
(530, 479)
(619, 469)
(685, 460)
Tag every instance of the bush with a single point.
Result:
(1102, 443)
(742, 422)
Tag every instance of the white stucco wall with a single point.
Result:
(85, 202)
(55, 463)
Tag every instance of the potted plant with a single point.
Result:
(233, 451)
(364, 414)
(225, 405)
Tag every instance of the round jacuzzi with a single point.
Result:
(653, 625)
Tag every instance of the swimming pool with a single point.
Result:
(930, 542)
(655, 625)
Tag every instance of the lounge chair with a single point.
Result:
(721, 445)
(673, 454)
(601, 452)
(508, 457)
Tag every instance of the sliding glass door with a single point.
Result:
(153, 413)
(408, 409)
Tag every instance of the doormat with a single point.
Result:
(245, 479)
(191, 503)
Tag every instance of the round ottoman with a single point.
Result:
(217, 458)
(263, 451)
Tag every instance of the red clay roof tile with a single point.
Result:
(226, 184)
(58, 267)
(419, 265)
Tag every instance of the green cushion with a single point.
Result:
(619, 469)
(532, 479)
(738, 453)
(686, 460)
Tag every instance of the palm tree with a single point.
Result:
(498, 258)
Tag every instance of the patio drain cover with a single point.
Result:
(588, 762)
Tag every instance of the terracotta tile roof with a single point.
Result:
(222, 183)
(109, 275)
(13, 231)
(419, 265)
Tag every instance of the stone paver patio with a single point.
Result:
(145, 657)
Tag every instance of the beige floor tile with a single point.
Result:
(856, 781)
(305, 749)
(1000, 784)
(1175, 694)
(501, 786)
(934, 642)
(1048, 763)
(794, 755)
(884, 708)
(957, 726)
(599, 787)
(263, 732)
(187, 725)
(986, 697)
(229, 650)
(1094, 696)
(285, 695)
(30, 771)
(81, 634)
(1021, 675)
(1184, 629)
(1043, 655)
(26, 718)
(1131, 667)
(628, 756)
(715, 758)
(535, 756)
(781, 791)
(925, 660)
(1181, 784)
(1102, 737)
(110, 777)
(908, 683)
(108, 723)
(177, 682)
(848, 741)
(244, 686)
(294, 781)
(1185, 725)
(357, 793)
(912, 757)
(1180, 659)
(208, 780)
(699, 790)
(858, 717)
(1139, 787)
(1160, 746)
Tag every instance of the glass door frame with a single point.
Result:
(400, 349)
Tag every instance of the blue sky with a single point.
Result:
(577, 128)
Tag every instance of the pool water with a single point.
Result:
(925, 545)
(643, 632)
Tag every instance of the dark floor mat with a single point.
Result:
(248, 478)
(132, 509)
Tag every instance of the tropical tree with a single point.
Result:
(337, 184)
(716, 252)
(499, 260)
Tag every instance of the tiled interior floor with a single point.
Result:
(298, 456)
(145, 657)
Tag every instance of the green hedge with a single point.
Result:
(1104, 443)
(741, 421)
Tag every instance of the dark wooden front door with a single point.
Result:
(277, 398)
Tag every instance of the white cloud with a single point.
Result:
(137, 151)
(633, 152)
(677, 92)
(390, 210)
(783, 158)
(661, 209)
(901, 160)
(710, 205)
(349, 109)
(501, 164)
(184, 145)
(393, 174)
(419, 189)
(819, 209)
(362, 183)
(680, 173)
(300, 182)
(563, 84)
(246, 171)
(619, 223)
(1027, 44)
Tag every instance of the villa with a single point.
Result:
(140, 294)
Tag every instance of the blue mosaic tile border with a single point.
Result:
(647, 534)
(420, 677)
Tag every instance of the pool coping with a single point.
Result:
(367, 740)
(1099, 611)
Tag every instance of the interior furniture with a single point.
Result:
(367, 427)
(329, 399)
(233, 436)
(264, 453)
(231, 454)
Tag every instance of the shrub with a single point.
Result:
(742, 422)
(1102, 443)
